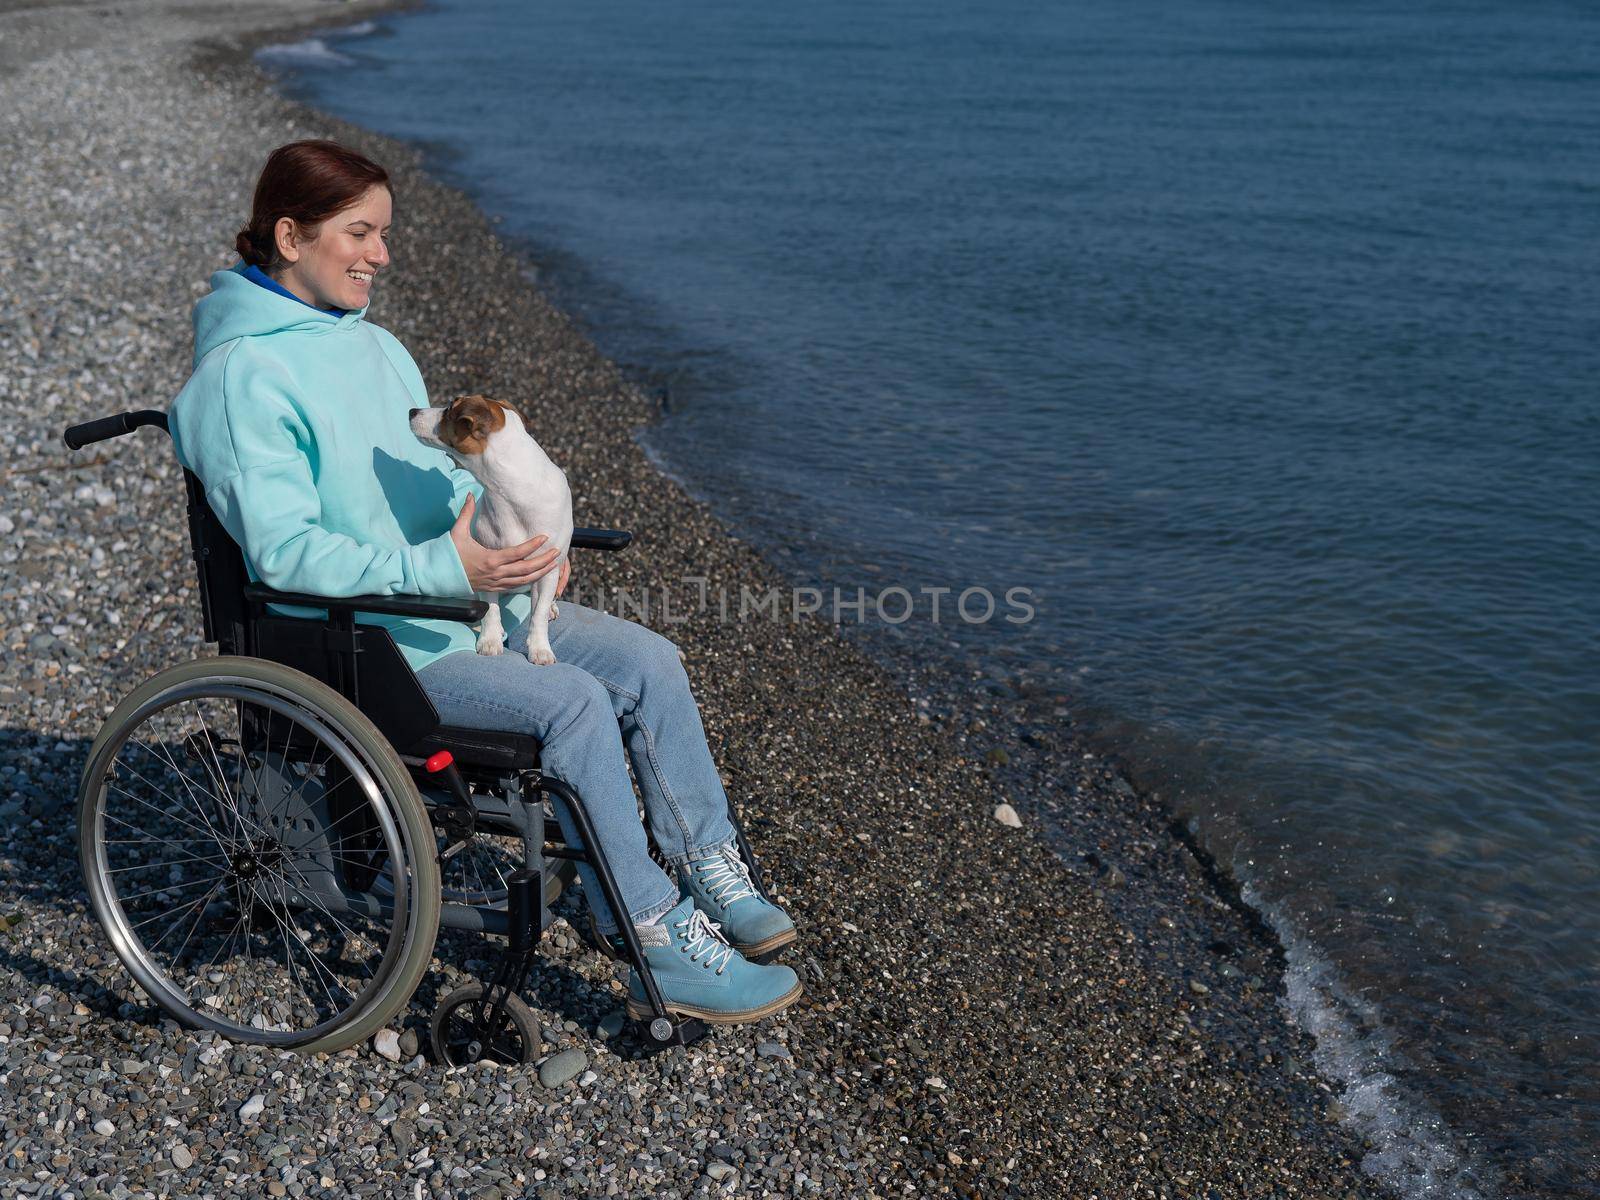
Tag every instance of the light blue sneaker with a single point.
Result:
(700, 975)
(722, 889)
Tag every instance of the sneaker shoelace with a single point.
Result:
(704, 936)
(726, 877)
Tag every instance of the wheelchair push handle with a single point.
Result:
(79, 436)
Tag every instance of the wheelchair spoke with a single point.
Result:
(306, 894)
(227, 941)
(154, 841)
(167, 912)
(345, 929)
(500, 878)
(483, 858)
(188, 786)
(288, 938)
(183, 778)
(334, 825)
(200, 919)
(292, 937)
(171, 862)
(154, 809)
(288, 951)
(255, 764)
(159, 841)
(311, 773)
(159, 891)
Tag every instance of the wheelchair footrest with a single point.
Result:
(663, 1033)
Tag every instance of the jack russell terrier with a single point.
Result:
(524, 495)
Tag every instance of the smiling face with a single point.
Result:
(333, 265)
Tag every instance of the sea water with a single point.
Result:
(1255, 342)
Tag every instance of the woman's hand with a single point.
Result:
(499, 570)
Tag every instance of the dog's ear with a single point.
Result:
(459, 417)
(511, 409)
(470, 420)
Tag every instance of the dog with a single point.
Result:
(524, 495)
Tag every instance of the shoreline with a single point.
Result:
(1087, 1063)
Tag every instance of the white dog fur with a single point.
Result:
(524, 495)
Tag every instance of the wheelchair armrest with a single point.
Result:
(600, 539)
(465, 609)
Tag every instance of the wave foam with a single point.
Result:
(1414, 1152)
(313, 52)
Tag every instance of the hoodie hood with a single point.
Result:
(236, 307)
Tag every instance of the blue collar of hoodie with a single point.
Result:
(256, 275)
(238, 306)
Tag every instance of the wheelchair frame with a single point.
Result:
(468, 781)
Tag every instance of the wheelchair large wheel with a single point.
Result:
(232, 819)
(476, 870)
(477, 873)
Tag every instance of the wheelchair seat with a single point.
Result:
(483, 749)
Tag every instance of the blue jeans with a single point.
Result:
(616, 685)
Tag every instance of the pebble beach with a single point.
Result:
(988, 1012)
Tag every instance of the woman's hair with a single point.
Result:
(309, 181)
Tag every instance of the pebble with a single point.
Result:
(1007, 816)
(252, 1108)
(182, 1158)
(773, 1050)
(559, 1068)
(403, 1133)
(387, 1043)
(104, 1127)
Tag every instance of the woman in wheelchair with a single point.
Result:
(295, 421)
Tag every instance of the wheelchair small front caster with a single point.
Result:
(466, 1029)
(661, 1033)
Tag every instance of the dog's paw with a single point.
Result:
(491, 646)
(541, 655)
(554, 612)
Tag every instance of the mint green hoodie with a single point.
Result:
(296, 421)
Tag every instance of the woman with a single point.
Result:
(295, 420)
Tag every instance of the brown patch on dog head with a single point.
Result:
(469, 422)
(526, 424)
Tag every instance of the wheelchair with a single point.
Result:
(272, 838)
